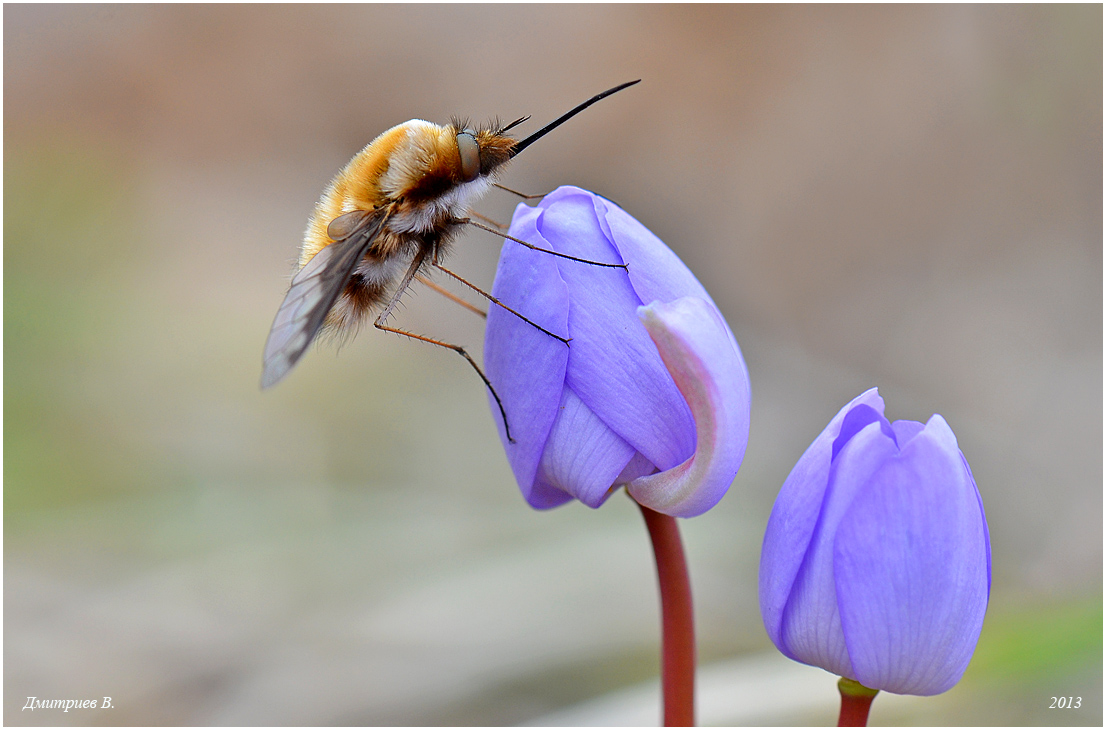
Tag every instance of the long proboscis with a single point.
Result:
(524, 143)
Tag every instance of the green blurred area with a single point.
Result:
(1035, 644)
(100, 358)
(71, 248)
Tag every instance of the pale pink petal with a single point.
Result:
(695, 346)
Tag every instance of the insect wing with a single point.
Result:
(313, 292)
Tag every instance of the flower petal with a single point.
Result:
(905, 431)
(911, 569)
(986, 529)
(690, 335)
(582, 456)
(855, 420)
(526, 366)
(655, 272)
(794, 516)
(811, 627)
(639, 466)
(613, 365)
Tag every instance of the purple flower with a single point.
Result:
(877, 561)
(655, 397)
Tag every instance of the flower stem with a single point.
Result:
(677, 620)
(856, 700)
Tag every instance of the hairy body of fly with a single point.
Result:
(390, 213)
(411, 173)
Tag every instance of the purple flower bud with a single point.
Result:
(876, 563)
(653, 397)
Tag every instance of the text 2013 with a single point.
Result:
(1066, 703)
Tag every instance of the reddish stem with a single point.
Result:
(856, 700)
(677, 620)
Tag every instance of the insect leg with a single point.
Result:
(450, 296)
(524, 196)
(379, 324)
(538, 248)
(460, 351)
(493, 300)
(488, 220)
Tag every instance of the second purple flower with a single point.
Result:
(876, 563)
(652, 392)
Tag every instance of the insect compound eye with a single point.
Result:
(470, 155)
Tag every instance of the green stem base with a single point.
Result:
(856, 700)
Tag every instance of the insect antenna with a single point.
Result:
(512, 125)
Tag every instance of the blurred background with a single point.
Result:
(902, 197)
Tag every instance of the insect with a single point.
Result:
(389, 214)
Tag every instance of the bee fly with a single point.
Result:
(392, 212)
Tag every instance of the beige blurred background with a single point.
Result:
(902, 197)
